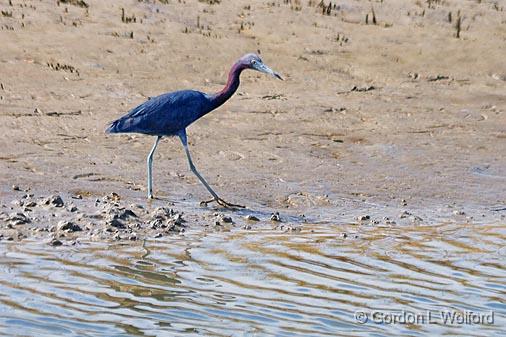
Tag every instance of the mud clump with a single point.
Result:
(102, 219)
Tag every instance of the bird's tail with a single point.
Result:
(113, 127)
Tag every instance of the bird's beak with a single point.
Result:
(264, 69)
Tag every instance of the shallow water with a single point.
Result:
(259, 282)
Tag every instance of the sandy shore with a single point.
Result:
(379, 123)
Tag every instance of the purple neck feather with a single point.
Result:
(230, 88)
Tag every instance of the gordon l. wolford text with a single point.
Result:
(445, 317)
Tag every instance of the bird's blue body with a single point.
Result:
(164, 115)
(169, 115)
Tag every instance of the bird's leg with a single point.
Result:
(216, 198)
(150, 167)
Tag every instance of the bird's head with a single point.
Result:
(253, 61)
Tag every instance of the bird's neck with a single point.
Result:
(230, 88)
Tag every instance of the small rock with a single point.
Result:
(251, 218)
(158, 235)
(363, 218)
(116, 223)
(415, 219)
(116, 212)
(68, 226)
(166, 217)
(111, 197)
(404, 214)
(31, 204)
(15, 188)
(18, 219)
(275, 217)
(133, 236)
(55, 243)
(18, 203)
(155, 224)
(124, 214)
(459, 212)
(178, 219)
(226, 219)
(247, 227)
(72, 209)
(54, 200)
(163, 213)
(293, 228)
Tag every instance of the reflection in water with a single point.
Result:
(259, 282)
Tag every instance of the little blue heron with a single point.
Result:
(169, 115)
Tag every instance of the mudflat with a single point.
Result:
(390, 113)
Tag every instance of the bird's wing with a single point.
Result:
(163, 115)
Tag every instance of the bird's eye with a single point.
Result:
(253, 61)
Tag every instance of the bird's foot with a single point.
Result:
(220, 202)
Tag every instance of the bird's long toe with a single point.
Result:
(221, 202)
(228, 204)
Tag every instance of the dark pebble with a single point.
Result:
(227, 219)
(275, 217)
(55, 243)
(363, 218)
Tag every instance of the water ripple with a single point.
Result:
(258, 282)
